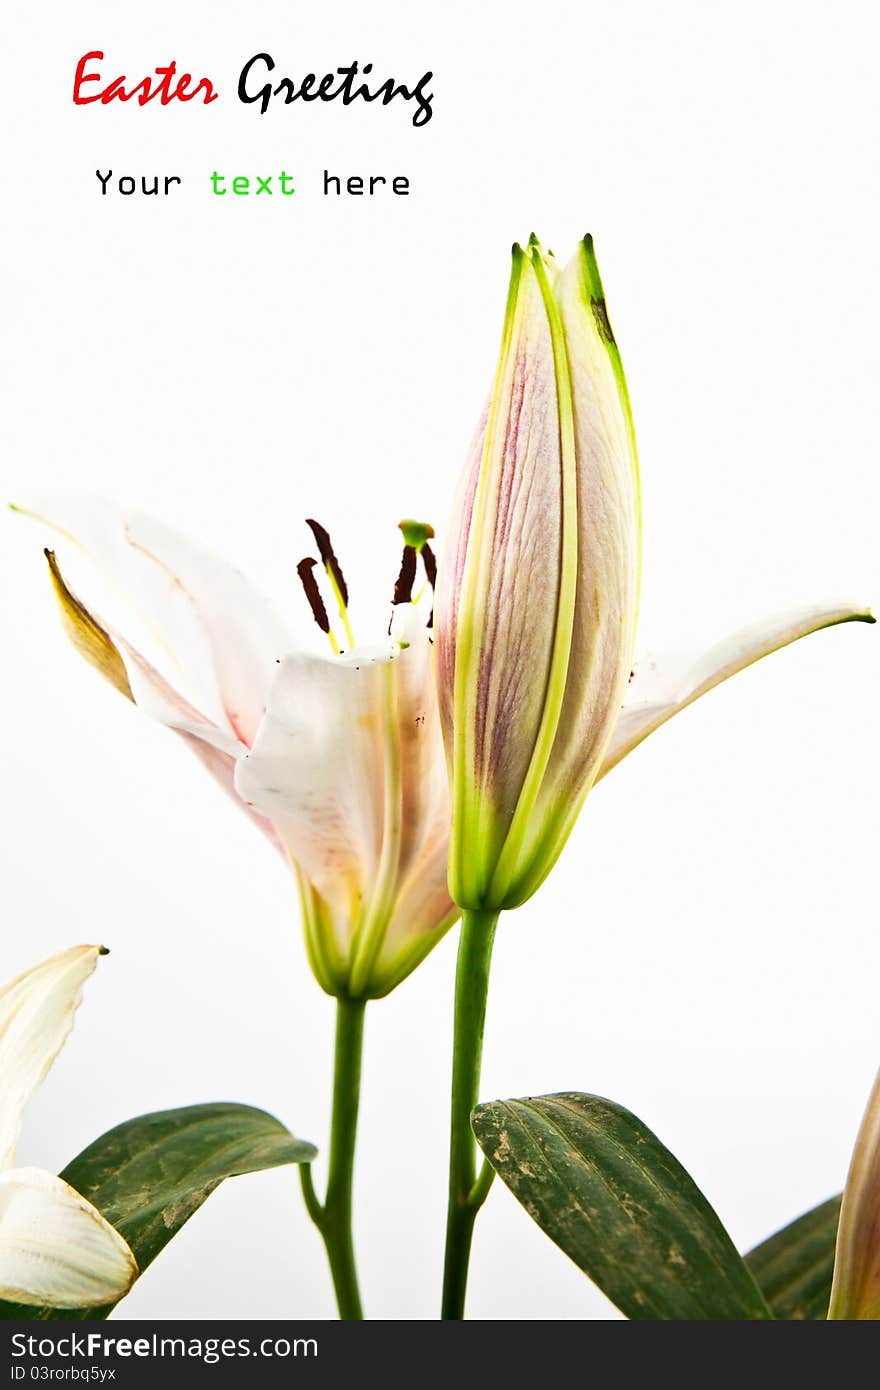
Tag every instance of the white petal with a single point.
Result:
(315, 769)
(348, 763)
(661, 686)
(216, 637)
(36, 1016)
(56, 1249)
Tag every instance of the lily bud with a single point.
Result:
(855, 1290)
(536, 609)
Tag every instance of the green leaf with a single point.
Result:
(604, 1188)
(793, 1269)
(149, 1175)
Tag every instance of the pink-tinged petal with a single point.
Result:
(156, 698)
(423, 913)
(221, 766)
(661, 686)
(130, 672)
(423, 784)
(608, 555)
(855, 1289)
(217, 750)
(37, 1010)
(537, 603)
(422, 908)
(56, 1249)
(211, 632)
(496, 626)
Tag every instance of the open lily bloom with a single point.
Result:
(56, 1249)
(539, 589)
(337, 756)
(855, 1290)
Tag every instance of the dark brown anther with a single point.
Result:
(407, 577)
(328, 557)
(430, 565)
(305, 570)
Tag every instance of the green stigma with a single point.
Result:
(416, 533)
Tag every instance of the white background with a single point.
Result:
(706, 951)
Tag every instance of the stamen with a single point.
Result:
(334, 573)
(416, 535)
(328, 555)
(430, 565)
(305, 570)
(405, 580)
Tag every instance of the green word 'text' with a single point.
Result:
(243, 186)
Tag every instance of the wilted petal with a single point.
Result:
(217, 637)
(56, 1249)
(130, 672)
(855, 1290)
(36, 1015)
(663, 685)
(86, 635)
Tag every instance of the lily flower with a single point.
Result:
(538, 597)
(337, 756)
(56, 1249)
(855, 1288)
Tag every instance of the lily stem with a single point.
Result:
(333, 1216)
(467, 1192)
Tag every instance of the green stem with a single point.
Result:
(333, 1218)
(466, 1192)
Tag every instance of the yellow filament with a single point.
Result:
(343, 611)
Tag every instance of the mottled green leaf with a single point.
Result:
(604, 1188)
(793, 1268)
(149, 1175)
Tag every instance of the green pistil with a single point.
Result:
(416, 533)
